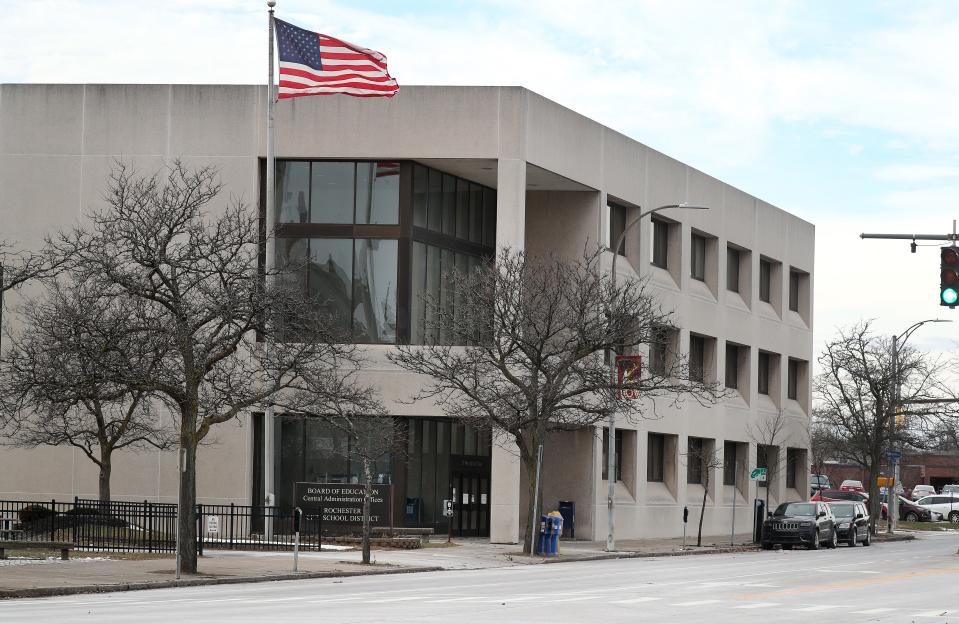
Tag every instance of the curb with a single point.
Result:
(43, 592)
(895, 537)
(649, 555)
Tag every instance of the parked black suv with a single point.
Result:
(852, 523)
(808, 524)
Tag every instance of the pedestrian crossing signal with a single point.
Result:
(948, 276)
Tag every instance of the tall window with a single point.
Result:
(794, 277)
(660, 243)
(697, 357)
(765, 280)
(730, 457)
(732, 366)
(732, 269)
(656, 458)
(698, 258)
(763, 381)
(617, 225)
(792, 378)
(617, 459)
(792, 466)
(695, 460)
(659, 350)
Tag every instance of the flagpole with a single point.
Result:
(270, 158)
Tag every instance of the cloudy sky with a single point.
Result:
(844, 113)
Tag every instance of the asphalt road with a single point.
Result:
(900, 582)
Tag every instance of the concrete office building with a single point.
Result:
(381, 195)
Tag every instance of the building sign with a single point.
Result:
(628, 371)
(342, 503)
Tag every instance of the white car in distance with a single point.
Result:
(922, 489)
(948, 505)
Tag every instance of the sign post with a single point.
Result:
(297, 519)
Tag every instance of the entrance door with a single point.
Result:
(470, 504)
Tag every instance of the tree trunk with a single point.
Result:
(186, 516)
(106, 467)
(702, 510)
(535, 503)
(367, 495)
(872, 487)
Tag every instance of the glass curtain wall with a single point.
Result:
(309, 449)
(367, 241)
(439, 454)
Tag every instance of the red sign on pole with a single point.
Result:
(628, 370)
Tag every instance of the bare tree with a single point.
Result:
(18, 267)
(66, 379)
(535, 330)
(706, 461)
(856, 393)
(768, 434)
(191, 267)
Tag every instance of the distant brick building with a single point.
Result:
(933, 468)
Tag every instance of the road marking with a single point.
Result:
(694, 603)
(575, 599)
(635, 600)
(758, 605)
(818, 608)
(937, 613)
(461, 599)
(875, 611)
(397, 599)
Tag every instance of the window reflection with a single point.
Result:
(329, 279)
(331, 198)
(378, 192)
(293, 191)
(374, 294)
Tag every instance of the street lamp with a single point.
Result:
(897, 342)
(611, 431)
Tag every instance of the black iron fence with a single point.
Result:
(118, 526)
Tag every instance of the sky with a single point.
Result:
(843, 113)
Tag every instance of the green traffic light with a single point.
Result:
(949, 296)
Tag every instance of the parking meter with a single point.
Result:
(685, 515)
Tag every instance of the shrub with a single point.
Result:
(32, 513)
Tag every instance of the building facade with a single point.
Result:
(379, 197)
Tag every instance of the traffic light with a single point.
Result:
(949, 276)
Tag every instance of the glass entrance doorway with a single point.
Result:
(470, 492)
(470, 504)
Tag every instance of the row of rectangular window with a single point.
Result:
(659, 358)
(337, 192)
(699, 453)
(659, 257)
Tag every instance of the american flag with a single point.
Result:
(315, 64)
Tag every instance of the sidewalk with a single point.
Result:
(93, 572)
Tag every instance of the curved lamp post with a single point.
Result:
(897, 342)
(611, 437)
